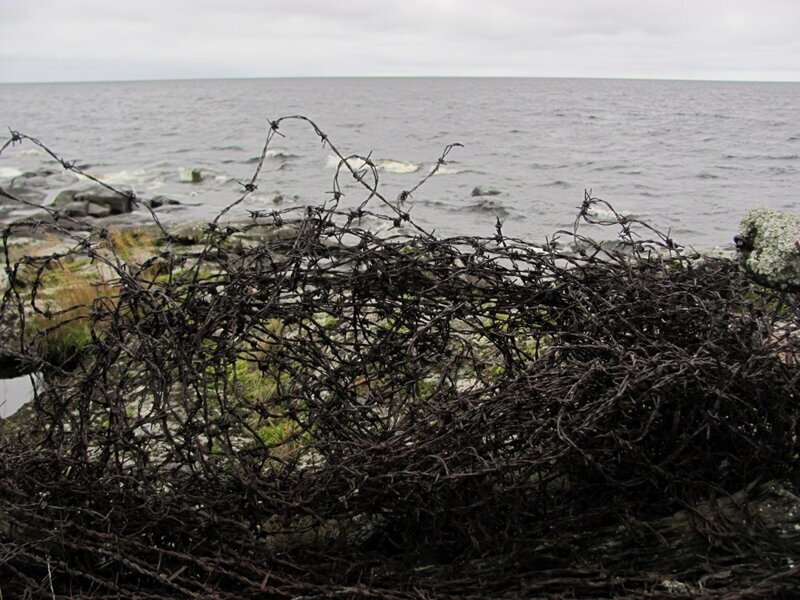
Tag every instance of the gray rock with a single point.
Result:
(74, 209)
(23, 193)
(65, 197)
(126, 220)
(191, 176)
(160, 201)
(97, 211)
(32, 186)
(189, 233)
(119, 204)
(32, 224)
(483, 191)
(768, 245)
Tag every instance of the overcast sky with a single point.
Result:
(87, 40)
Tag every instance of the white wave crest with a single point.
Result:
(445, 170)
(136, 177)
(10, 172)
(386, 165)
(602, 214)
(280, 155)
(396, 166)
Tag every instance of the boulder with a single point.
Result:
(32, 186)
(768, 246)
(484, 191)
(97, 211)
(191, 176)
(160, 201)
(23, 192)
(74, 209)
(117, 204)
(31, 224)
(65, 197)
(189, 234)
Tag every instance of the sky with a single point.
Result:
(100, 40)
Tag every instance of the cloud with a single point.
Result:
(100, 39)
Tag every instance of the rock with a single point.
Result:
(65, 197)
(768, 245)
(126, 220)
(74, 209)
(482, 191)
(191, 176)
(159, 201)
(118, 204)
(31, 224)
(32, 186)
(97, 211)
(189, 234)
(23, 193)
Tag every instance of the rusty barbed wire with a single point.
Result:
(295, 406)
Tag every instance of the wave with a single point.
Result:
(486, 206)
(706, 175)
(151, 178)
(10, 172)
(559, 184)
(782, 170)
(763, 156)
(445, 170)
(273, 198)
(603, 214)
(281, 155)
(619, 167)
(128, 177)
(396, 166)
(387, 165)
(436, 203)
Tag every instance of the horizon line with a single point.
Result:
(290, 77)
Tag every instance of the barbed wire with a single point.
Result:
(300, 407)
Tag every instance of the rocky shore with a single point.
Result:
(47, 194)
(296, 403)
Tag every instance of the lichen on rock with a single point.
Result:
(769, 247)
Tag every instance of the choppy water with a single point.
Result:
(687, 156)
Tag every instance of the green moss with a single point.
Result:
(59, 343)
(251, 382)
(329, 321)
(495, 371)
(76, 264)
(427, 387)
(278, 432)
(533, 347)
(769, 246)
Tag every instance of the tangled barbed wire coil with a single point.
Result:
(298, 406)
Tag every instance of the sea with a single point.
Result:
(687, 157)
